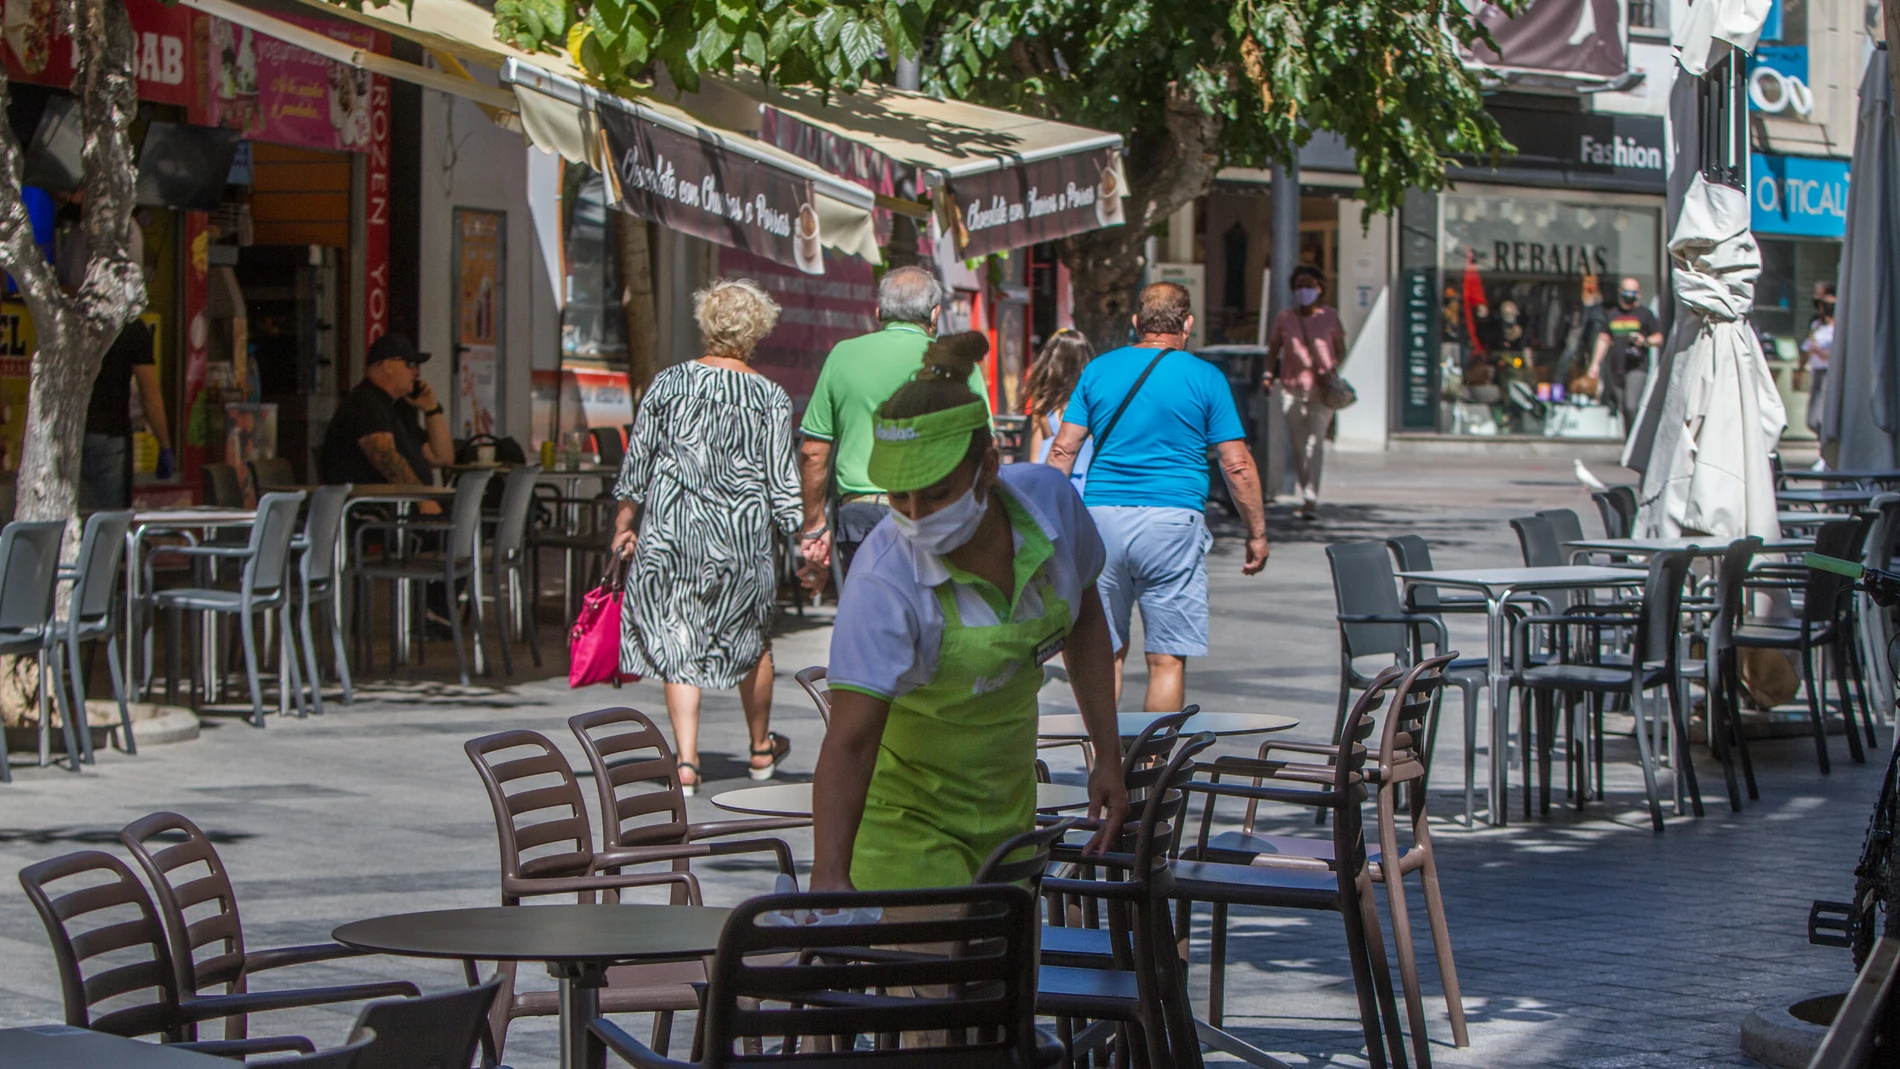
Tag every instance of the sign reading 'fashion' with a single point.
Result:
(689, 184)
(1037, 202)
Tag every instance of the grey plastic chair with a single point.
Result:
(1414, 554)
(1625, 497)
(1537, 541)
(316, 546)
(95, 578)
(454, 565)
(1615, 523)
(510, 560)
(263, 587)
(221, 487)
(273, 473)
(1567, 526)
(1654, 662)
(1373, 622)
(29, 575)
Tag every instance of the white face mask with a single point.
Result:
(1306, 294)
(945, 529)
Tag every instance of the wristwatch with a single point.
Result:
(436, 411)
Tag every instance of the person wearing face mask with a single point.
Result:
(1621, 361)
(1304, 349)
(1816, 349)
(979, 575)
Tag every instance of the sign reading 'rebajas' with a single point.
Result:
(1037, 202)
(690, 185)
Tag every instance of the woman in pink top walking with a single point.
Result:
(1303, 351)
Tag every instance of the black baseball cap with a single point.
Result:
(393, 346)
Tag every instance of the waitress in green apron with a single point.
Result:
(979, 575)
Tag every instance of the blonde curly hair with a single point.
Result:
(734, 314)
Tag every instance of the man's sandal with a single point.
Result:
(778, 748)
(689, 789)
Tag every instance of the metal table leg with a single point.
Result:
(581, 982)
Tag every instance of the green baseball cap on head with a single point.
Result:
(910, 454)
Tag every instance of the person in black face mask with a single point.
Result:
(1816, 349)
(1621, 360)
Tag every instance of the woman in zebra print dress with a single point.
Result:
(708, 476)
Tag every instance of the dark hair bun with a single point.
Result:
(954, 356)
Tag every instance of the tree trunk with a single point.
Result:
(73, 330)
(636, 301)
(1166, 169)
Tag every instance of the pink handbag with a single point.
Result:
(594, 641)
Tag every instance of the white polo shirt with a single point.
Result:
(889, 623)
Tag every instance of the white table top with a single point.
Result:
(201, 516)
(1809, 519)
(794, 799)
(1703, 546)
(1070, 725)
(1547, 578)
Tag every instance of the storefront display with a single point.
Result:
(1524, 277)
(1798, 212)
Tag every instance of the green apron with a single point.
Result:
(956, 771)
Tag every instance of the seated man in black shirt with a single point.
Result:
(373, 437)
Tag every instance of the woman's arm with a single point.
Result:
(626, 523)
(843, 777)
(1037, 433)
(781, 469)
(1091, 665)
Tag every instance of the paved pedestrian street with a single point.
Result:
(1582, 940)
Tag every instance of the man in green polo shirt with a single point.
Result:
(860, 374)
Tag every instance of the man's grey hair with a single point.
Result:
(908, 295)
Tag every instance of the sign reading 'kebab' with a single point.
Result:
(691, 185)
(1037, 202)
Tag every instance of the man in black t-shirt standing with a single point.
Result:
(374, 437)
(1621, 361)
(105, 458)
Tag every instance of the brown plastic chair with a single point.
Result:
(1346, 888)
(813, 680)
(549, 821)
(1400, 770)
(766, 985)
(1138, 989)
(642, 808)
(183, 889)
(82, 899)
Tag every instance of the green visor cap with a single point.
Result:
(910, 454)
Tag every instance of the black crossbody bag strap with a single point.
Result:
(1101, 440)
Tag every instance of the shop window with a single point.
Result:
(592, 326)
(1528, 294)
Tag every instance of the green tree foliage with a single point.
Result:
(1383, 74)
(1193, 86)
(825, 43)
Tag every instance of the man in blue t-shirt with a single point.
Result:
(1154, 412)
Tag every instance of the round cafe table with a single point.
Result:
(794, 799)
(1070, 725)
(578, 943)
